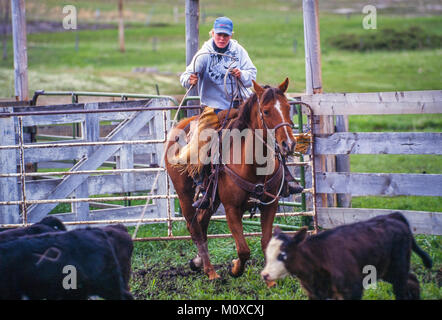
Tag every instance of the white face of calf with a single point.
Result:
(275, 257)
(276, 254)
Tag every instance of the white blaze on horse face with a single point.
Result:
(274, 268)
(278, 107)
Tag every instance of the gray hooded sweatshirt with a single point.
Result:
(211, 69)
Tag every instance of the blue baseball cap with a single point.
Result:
(223, 25)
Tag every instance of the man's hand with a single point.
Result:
(193, 79)
(236, 73)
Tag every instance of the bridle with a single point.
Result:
(259, 189)
(264, 124)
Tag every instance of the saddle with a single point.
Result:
(258, 191)
(208, 119)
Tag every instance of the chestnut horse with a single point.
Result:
(267, 108)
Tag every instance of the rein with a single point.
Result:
(279, 125)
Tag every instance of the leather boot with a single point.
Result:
(293, 189)
(290, 188)
(203, 202)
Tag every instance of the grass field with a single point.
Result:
(272, 32)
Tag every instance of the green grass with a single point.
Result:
(395, 123)
(388, 39)
(268, 31)
(268, 36)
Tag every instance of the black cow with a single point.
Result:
(47, 224)
(123, 246)
(330, 265)
(62, 265)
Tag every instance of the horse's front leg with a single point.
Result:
(234, 220)
(202, 259)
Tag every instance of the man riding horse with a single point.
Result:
(224, 73)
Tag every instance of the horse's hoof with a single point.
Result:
(193, 266)
(213, 275)
(234, 269)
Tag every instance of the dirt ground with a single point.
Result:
(166, 280)
(156, 280)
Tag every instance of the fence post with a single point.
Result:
(125, 160)
(192, 41)
(8, 164)
(90, 133)
(20, 49)
(343, 162)
(19, 40)
(121, 25)
(160, 128)
(313, 78)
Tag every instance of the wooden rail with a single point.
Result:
(420, 221)
(381, 184)
(398, 102)
(378, 184)
(380, 143)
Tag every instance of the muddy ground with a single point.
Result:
(156, 282)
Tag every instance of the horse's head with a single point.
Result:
(274, 113)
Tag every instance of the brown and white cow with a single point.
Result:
(330, 265)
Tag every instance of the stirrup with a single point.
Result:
(199, 189)
(202, 203)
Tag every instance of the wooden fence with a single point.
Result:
(378, 184)
(142, 127)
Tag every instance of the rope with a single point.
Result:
(163, 159)
(234, 59)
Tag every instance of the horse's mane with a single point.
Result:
(245, 109)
